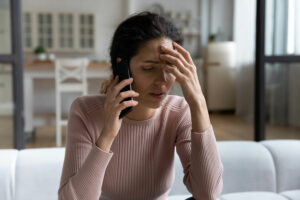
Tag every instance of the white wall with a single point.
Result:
(244, 36)
(221, 18)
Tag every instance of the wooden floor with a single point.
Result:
(226, 127)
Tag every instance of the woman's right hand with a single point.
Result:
(113, 107)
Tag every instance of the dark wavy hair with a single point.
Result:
(137, 30)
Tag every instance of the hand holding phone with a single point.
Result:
(112, 109)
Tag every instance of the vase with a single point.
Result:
(41, 56)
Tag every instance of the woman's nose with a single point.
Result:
(162, 77)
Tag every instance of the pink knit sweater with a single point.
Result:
(140, 164)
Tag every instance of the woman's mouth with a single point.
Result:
(157, 95)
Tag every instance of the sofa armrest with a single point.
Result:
(8, 160)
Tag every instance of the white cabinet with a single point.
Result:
(59, 32)
(66, 31)
(45, 30)
(86, 31)
(5, 32)
(27, 31)
(6, 105)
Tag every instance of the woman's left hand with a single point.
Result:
(180, 63)
(183, 68)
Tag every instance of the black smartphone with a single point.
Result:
(123, 71)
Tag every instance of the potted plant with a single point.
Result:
(211, 37)
(41, 53)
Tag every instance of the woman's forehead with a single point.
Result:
(156, 44)
(151, 49)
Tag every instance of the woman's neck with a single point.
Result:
(141, 113)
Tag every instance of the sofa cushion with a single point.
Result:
(286, 155)
(248, 166)
(253, 196)
(181, 197)
(38, 173)
(292, 194)
(8, 160)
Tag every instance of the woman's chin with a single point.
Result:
(155, 102)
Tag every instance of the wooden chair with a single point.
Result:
(70, 77)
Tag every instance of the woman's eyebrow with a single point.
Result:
(152, 61)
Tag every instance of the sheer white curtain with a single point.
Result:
(293, 27)
(297, 27)
(282, 85)
(294, 73)
(276, 77)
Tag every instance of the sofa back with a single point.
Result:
(286, 157)
(248, 166)
(273, 165)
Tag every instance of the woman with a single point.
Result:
(132, 157)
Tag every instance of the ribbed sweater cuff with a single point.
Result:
(209, 130)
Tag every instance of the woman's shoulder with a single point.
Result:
(89, 103)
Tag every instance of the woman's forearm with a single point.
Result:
(199, 115)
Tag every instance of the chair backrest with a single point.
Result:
(222, 53)
(71, 73)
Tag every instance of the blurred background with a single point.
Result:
(219, 34)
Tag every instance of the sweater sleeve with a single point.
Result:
(84, 164)
(200, 159)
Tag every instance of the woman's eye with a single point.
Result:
(148, 69)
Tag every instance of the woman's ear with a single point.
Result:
(118, 59)
(105, 84)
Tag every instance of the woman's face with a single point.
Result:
(149, 75)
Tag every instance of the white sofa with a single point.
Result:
(268, 170)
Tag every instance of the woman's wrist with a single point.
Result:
(104, 142)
